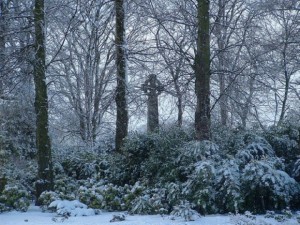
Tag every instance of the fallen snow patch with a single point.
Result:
(71, 208)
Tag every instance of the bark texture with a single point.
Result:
(45, 173)
(202, 73)
(121, 101)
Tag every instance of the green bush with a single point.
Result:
(46, 198)
(149, 157)
(15, 197)
(266, 188)
(105, 196)
(199, 188)
(150, 201)
(90, 197)
(184, 210)
(66, 187)
(285, 142)
(228, 187)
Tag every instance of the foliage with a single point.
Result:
(105, 196)
(258, 149)
(284, 140)
(66, 187)
(15, 197)
(193, 152)
(199, 188)
(17, 126)
(296, 170)
(246, 219)
(266, 187)
(228, 187)
(20, 171)
(230, 141)
(47, 197)
(184, 210)
(159, 173)
(81, 164)
(149, 157)
(152, 201)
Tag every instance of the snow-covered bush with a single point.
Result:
(256, 150)
(141, 205)
(173, 194)
(47, 197)
(284, 216)
(118, 170)
(106, 196)
(239, 219)
(17, 127)
(150, 157)
(149, 201)
(184, 210)
(71, 208)
(285, 141)
(4, 208)
(199, 150)
(270, 214)
(296, 170)
(15, 197)
(66, 187)
(228, 187)
(90, 197)
(230, 141)
(193, 152)
(265, 187)
(19, 171)
(113, 197)
(149, 204)
(81, 166)
(199, 188)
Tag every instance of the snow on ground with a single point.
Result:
(34, 216)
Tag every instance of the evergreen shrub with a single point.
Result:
(15, 198)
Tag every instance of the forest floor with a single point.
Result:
(35, 216)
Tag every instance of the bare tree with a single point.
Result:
(283, 44)
(82, 74)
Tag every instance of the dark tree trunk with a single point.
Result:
(45, 173)
(3, 24)
(3, 182)
(180, 111)
(122, 113)
(202, 73)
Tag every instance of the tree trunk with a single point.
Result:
(121, 102)
(45, 173)
(286, 88)
(3, 24)
(220, 30)
(180, 111)
(202, 73)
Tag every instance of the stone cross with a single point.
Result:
(152, 88)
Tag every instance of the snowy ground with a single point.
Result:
(34, 216)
